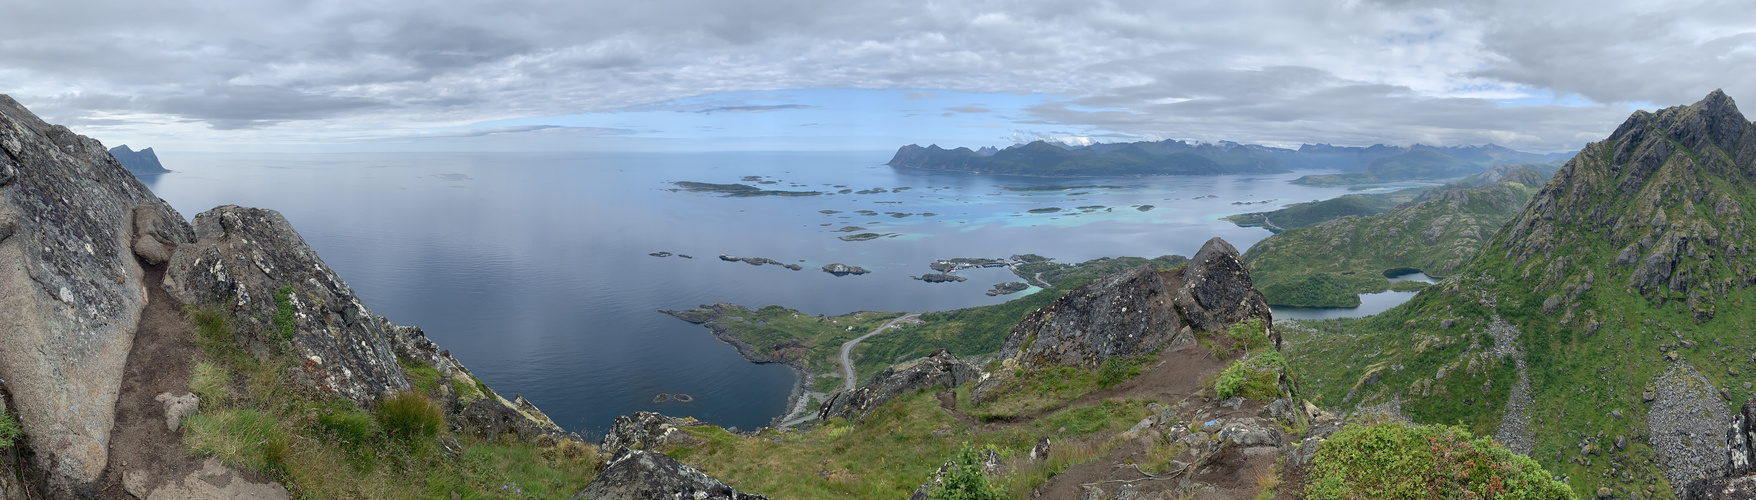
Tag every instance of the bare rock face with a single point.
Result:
(1124, 314)
(241, 259)
(645, 475)
(71, 289)
(1217, 291)
(937, 369)
(1138, 311)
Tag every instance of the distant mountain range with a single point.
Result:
(1173, 157)
(138, 162)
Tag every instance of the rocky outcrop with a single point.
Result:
(645, 430)
(71, 288)
(1217, 291)
(938, 369)
(252, 262)
(475, 407)
(840, 269)
(138, 162)
(1138, 311)
(646, 475)
(1124, 314)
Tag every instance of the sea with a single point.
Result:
(537, 269)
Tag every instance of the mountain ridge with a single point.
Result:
(1176, 157)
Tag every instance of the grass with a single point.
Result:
(896, 449)
(323, 446)
(283, 312)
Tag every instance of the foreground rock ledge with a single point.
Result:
(71, 291)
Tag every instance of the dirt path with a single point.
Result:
(164, 347)
(847, 366)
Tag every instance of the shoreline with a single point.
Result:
(801, 377)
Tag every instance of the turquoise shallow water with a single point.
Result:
(533, 269)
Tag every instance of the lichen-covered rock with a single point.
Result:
(492, 416)
(645, 430)
(71, 289)
(243, 257)
(938, 369)
(646, 475)
(1138, 311)
(1217, 291)
(1120, 315)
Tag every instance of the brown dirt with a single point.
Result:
(164, 348)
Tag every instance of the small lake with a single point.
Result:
(1370, 303)
(533, 269)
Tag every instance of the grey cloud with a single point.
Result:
(230, 107)
(973, 108)
(754, 109)
(1373, 71)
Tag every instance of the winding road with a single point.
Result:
(847, 366)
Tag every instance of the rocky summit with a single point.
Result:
(1603, 330)
(639, 475)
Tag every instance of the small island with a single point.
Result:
(757, 261)
(940, 278)
(840, 269)
(864, 236)
(1008, 288)
(736, 190)
(660, 254)
(1048, 210)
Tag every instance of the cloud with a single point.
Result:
(1367, 70)
(754, 109)
(973, 108)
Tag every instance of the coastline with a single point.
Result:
(801, 377)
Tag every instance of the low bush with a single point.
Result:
(1254, 377)
(1398, 461)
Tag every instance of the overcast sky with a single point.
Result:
(811, 74)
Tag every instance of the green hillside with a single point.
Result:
(1312, 213)
(1601, 331)
(1330, 263)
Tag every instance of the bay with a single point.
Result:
(533, 269)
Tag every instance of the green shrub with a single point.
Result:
(242, 436)
(409, 415)
(283, 312)
(1255, 377)
(966, 480)
(1248, 334)
(1397, 461)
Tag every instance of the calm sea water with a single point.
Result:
(533, 269)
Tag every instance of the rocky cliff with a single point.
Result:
(72, 289)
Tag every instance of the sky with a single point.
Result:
(707, 75)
